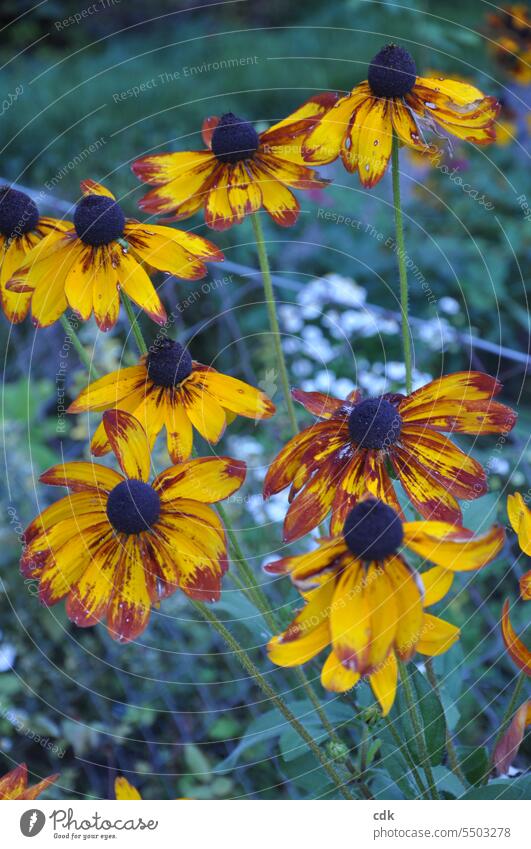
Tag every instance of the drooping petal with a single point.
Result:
(199, 571)
(525, 586)
(436, 636)
(459, 473)
(206, 479)
(374, 142)
(305, 569)
(244, 194)
(336, 677)
(350, 619)
(405, 125)
(452, 547)
(277, 199)
(109, 390)
(285, 138)
(237, 396)
(288, 462)
(14, 304)
(179, 432)
(323, 144)
(313, 504)
(384, 682)
(129, 442)
(383, 613)
(408, 599)
(174, 251)
(203, 410)
(321, 405)
(437, 583)
(520, 519)
(428, 495)
(297, 652)
(90, 595)
(218, 210)
(130, 604)
(459, 108)
(70, 561)
(518, 651)
(507, 748)
(135, 282)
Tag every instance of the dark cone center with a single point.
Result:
(98, 220)
(133, 507)
(374, 423)
(234, 139)
(18, 213)
(168, 363)
(392, 72)
(373, 530)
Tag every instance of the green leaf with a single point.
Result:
(432, 717)
(519, 788)
(475, 764)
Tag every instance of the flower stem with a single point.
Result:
(76, 342)
(277, 700)
(135, 327)
(416, 722)
(402, 270)
(453, 760)
(273, 319)
(509, 712)
(407, 757)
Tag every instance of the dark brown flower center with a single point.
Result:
(234, 139)
(374, 423)
(98, 220)
(392, 72)
(168, 363)
(132, 507)
(18, 213)
(373, 530)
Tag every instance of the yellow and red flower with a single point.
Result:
(394, 100)
(240, 172)
(366, 601)
(520, 519)
(333, 463)
(21, 229)
(14, 785)
(116, 545)
(517, 649)
(169, 389)
(99, 255)
(511, 41)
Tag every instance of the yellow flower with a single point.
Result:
(21, 229)
(123, 790)
(169, 389)
(334, 462)
(14, 785)
(240, 172)
(520, 519)
(365, 600)
(394, 100)
(511, 41)
(101, 253)
(116, 545)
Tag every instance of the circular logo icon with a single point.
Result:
(32, 822)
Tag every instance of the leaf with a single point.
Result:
(507, 748)
(475, 764)
(432, 717)
(519, 788)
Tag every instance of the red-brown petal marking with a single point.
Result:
(518, 651)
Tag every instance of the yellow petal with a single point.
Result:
(383, 683)
(520, 519)
(436, 582)
(237, 396)
(453, 547)
(350, 619)
(437, 636)
(124, 790)
(129, 442)
(336, 677)
(206, 479)
(136, 283)
(299, 651)
(409, 607)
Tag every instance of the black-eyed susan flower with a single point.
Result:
(102, 253)
(240, 172)
(124, 790)
(21, 229)
(520, 519)
(333, 463)
(170, 390)
(366, 601)
(116, 545)
(394, 100)
(510, 42)
(14, 785)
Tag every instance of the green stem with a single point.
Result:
(509, 712)
(453, 759)
(417, 728)
(402, 270)
(273, 320)
(135, 327)
(268, 691)
(407, 757)
(76, 342)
